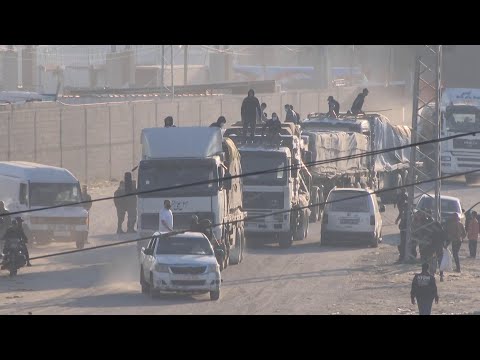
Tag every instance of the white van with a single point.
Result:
(28, 186)
(356, 219)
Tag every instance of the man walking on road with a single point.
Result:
(424, 290)
(472, 234)
(166, 217)
(402, 217)
(120, 205)
(456, 234)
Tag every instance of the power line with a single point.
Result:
(259, 216)
(290, 167)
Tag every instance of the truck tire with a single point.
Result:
(215, 295)
(374, 243)
(236, 252)
(285, 240)
(144, 285)
(314, 216)
(151, 289)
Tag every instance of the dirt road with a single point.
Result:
(305, 279)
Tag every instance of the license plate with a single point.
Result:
(185, 277)
(62, 233)
(349, 221)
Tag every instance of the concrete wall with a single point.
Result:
(102, 141)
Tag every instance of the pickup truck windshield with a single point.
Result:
(255, 161)
(50, 194)
(184, 246)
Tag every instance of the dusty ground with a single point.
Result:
(305, 279)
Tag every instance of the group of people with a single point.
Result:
(125, 204)
(356, 109)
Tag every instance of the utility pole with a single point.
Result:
(427, 78)
(171, 66)
(185, 64)
(162, 74)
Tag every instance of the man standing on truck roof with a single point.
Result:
(166, 218)
(358, 103)
(295, 115)
(273, 127)
(219, 123)
(289, 115)
(333, 107)
(169, 122)
(249, 112)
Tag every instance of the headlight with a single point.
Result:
(161, 268)
(445, 158)
(213, 268)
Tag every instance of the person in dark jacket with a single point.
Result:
(273, 127)
(333, 107)
(402, 217)
(219, 123)
(456, 233)
(131, 202)
(169, 121)
(15, 231)
(358, 103)
(120, 205)
(296, 115)
(250, 111)
(401, 200)
(424, 290)
(86, 197)
(289, 115)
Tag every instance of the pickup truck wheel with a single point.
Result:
(215, 295)
(285, 240)
(374, 243)
(152, 292)
(145, 286)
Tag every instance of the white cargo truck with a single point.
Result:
(179, 156)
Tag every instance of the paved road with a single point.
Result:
(304, 279)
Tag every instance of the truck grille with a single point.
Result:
(466, 144)
(188, 282)
(188, 269)
(58, 220)
(262, 200)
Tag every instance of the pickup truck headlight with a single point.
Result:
(163, 268)
(213, 268)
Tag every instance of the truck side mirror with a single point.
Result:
(226, 181)
(308, 156)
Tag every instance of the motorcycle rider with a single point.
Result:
(15, 231)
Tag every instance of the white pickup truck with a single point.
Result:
(183, 263)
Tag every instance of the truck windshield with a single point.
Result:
(50, 194)
(255, 161)
(158, 174)
(184, 246)
(463, 120)
(355, 201)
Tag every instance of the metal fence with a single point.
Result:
(102, 141)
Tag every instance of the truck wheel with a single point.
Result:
(285, 240)
(374, 243)
(145, 286)
(302, 229)
(235, 253)
(323, 239)
(314, 216)
(215, 295)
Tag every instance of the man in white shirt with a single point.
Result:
(166, 218)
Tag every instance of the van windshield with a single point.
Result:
(50, 194)
(348, 201)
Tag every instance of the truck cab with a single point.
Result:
(271, 197)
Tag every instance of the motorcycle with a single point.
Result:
(14, 258)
